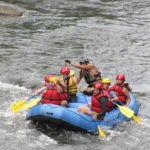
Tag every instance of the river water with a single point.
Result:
(113, 34)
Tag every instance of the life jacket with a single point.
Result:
(64, 96)
(91, 78)
(71, 87)
(51, 96)
(118, 90)
(96, 106)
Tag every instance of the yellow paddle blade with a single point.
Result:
(101, 132)
(18, 106)
(136, 119)
(126, 111)
(32, 103)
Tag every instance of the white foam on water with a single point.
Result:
(11, 86)
(33, 138)
(145, 123)
(14, 89)
(15, 94)
(40, 140)
(47, 140)
(113, 133)
(5, 114)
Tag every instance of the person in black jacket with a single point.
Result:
(99, 104)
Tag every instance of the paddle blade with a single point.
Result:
(136, 119)
(101, 132)
(18, 106)
(126, 111)
(32, 103)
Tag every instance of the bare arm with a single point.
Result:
(63, 84)
(79, 77)
(76, 65)
(88, 66)
(74, 79)
(59, 89)
(126, 92)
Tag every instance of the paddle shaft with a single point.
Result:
(43, 90)
(19, 105)
(101, 132)
(114, 102)
(38, 93)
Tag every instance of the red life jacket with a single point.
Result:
(51, 96)
(64, 96)
(118, 89)
(96, 106)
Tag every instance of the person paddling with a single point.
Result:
(88, 71)
(122, 89)
(69, 84)
(46, 79)
(52, 95)
(99, 104)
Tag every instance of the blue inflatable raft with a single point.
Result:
(70, 118)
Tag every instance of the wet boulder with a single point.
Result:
(9, 11)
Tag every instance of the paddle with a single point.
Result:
(32, 103)
(135, 118)
(100, 131)
(127, 112)
(124, 110)
(19, 105)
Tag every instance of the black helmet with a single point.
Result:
(84, 61)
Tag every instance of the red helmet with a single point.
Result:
(120, 77)
(98, 86)
(47, 77)
(65, 70)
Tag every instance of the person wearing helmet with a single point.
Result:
(99, 104)
(52, 95)
(46, 79)
(69, 84)
(108, 91)
(122, 89)
(87, 71)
